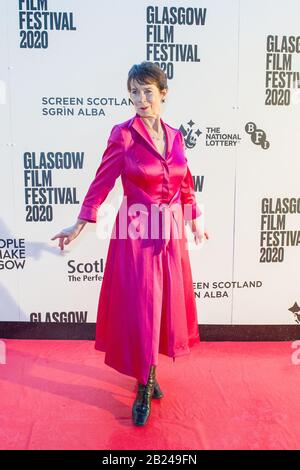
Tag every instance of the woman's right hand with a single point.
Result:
(66, 235)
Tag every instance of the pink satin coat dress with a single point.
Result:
(146, 304)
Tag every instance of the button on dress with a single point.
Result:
(146, 303)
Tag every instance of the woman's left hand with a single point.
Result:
(199, 234)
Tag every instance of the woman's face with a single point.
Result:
(146, 98)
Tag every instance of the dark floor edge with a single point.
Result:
(86, 331)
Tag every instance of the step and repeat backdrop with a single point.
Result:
(234, 91)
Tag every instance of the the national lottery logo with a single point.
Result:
(295, 309)
(258, 136)
(190, 133)
(214, 136)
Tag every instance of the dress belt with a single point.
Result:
(166, 212)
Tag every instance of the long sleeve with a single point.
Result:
(109, 170)
(188, 199)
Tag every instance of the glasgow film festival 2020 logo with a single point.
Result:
(281, 77)
(275, 233)
(35, 22)
(161, 45)
(40, 192)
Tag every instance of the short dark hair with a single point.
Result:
(147, 72)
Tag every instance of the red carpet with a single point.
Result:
(61, 395)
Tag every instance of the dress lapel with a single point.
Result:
(137, 123)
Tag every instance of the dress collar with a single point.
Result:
(137, 123)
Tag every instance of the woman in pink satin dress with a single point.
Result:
(146, 303)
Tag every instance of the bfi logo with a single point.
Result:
(258, 136)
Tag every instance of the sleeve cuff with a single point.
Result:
(88, 213)
(191, 211)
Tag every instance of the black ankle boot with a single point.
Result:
(157, 392)
(142, 404)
